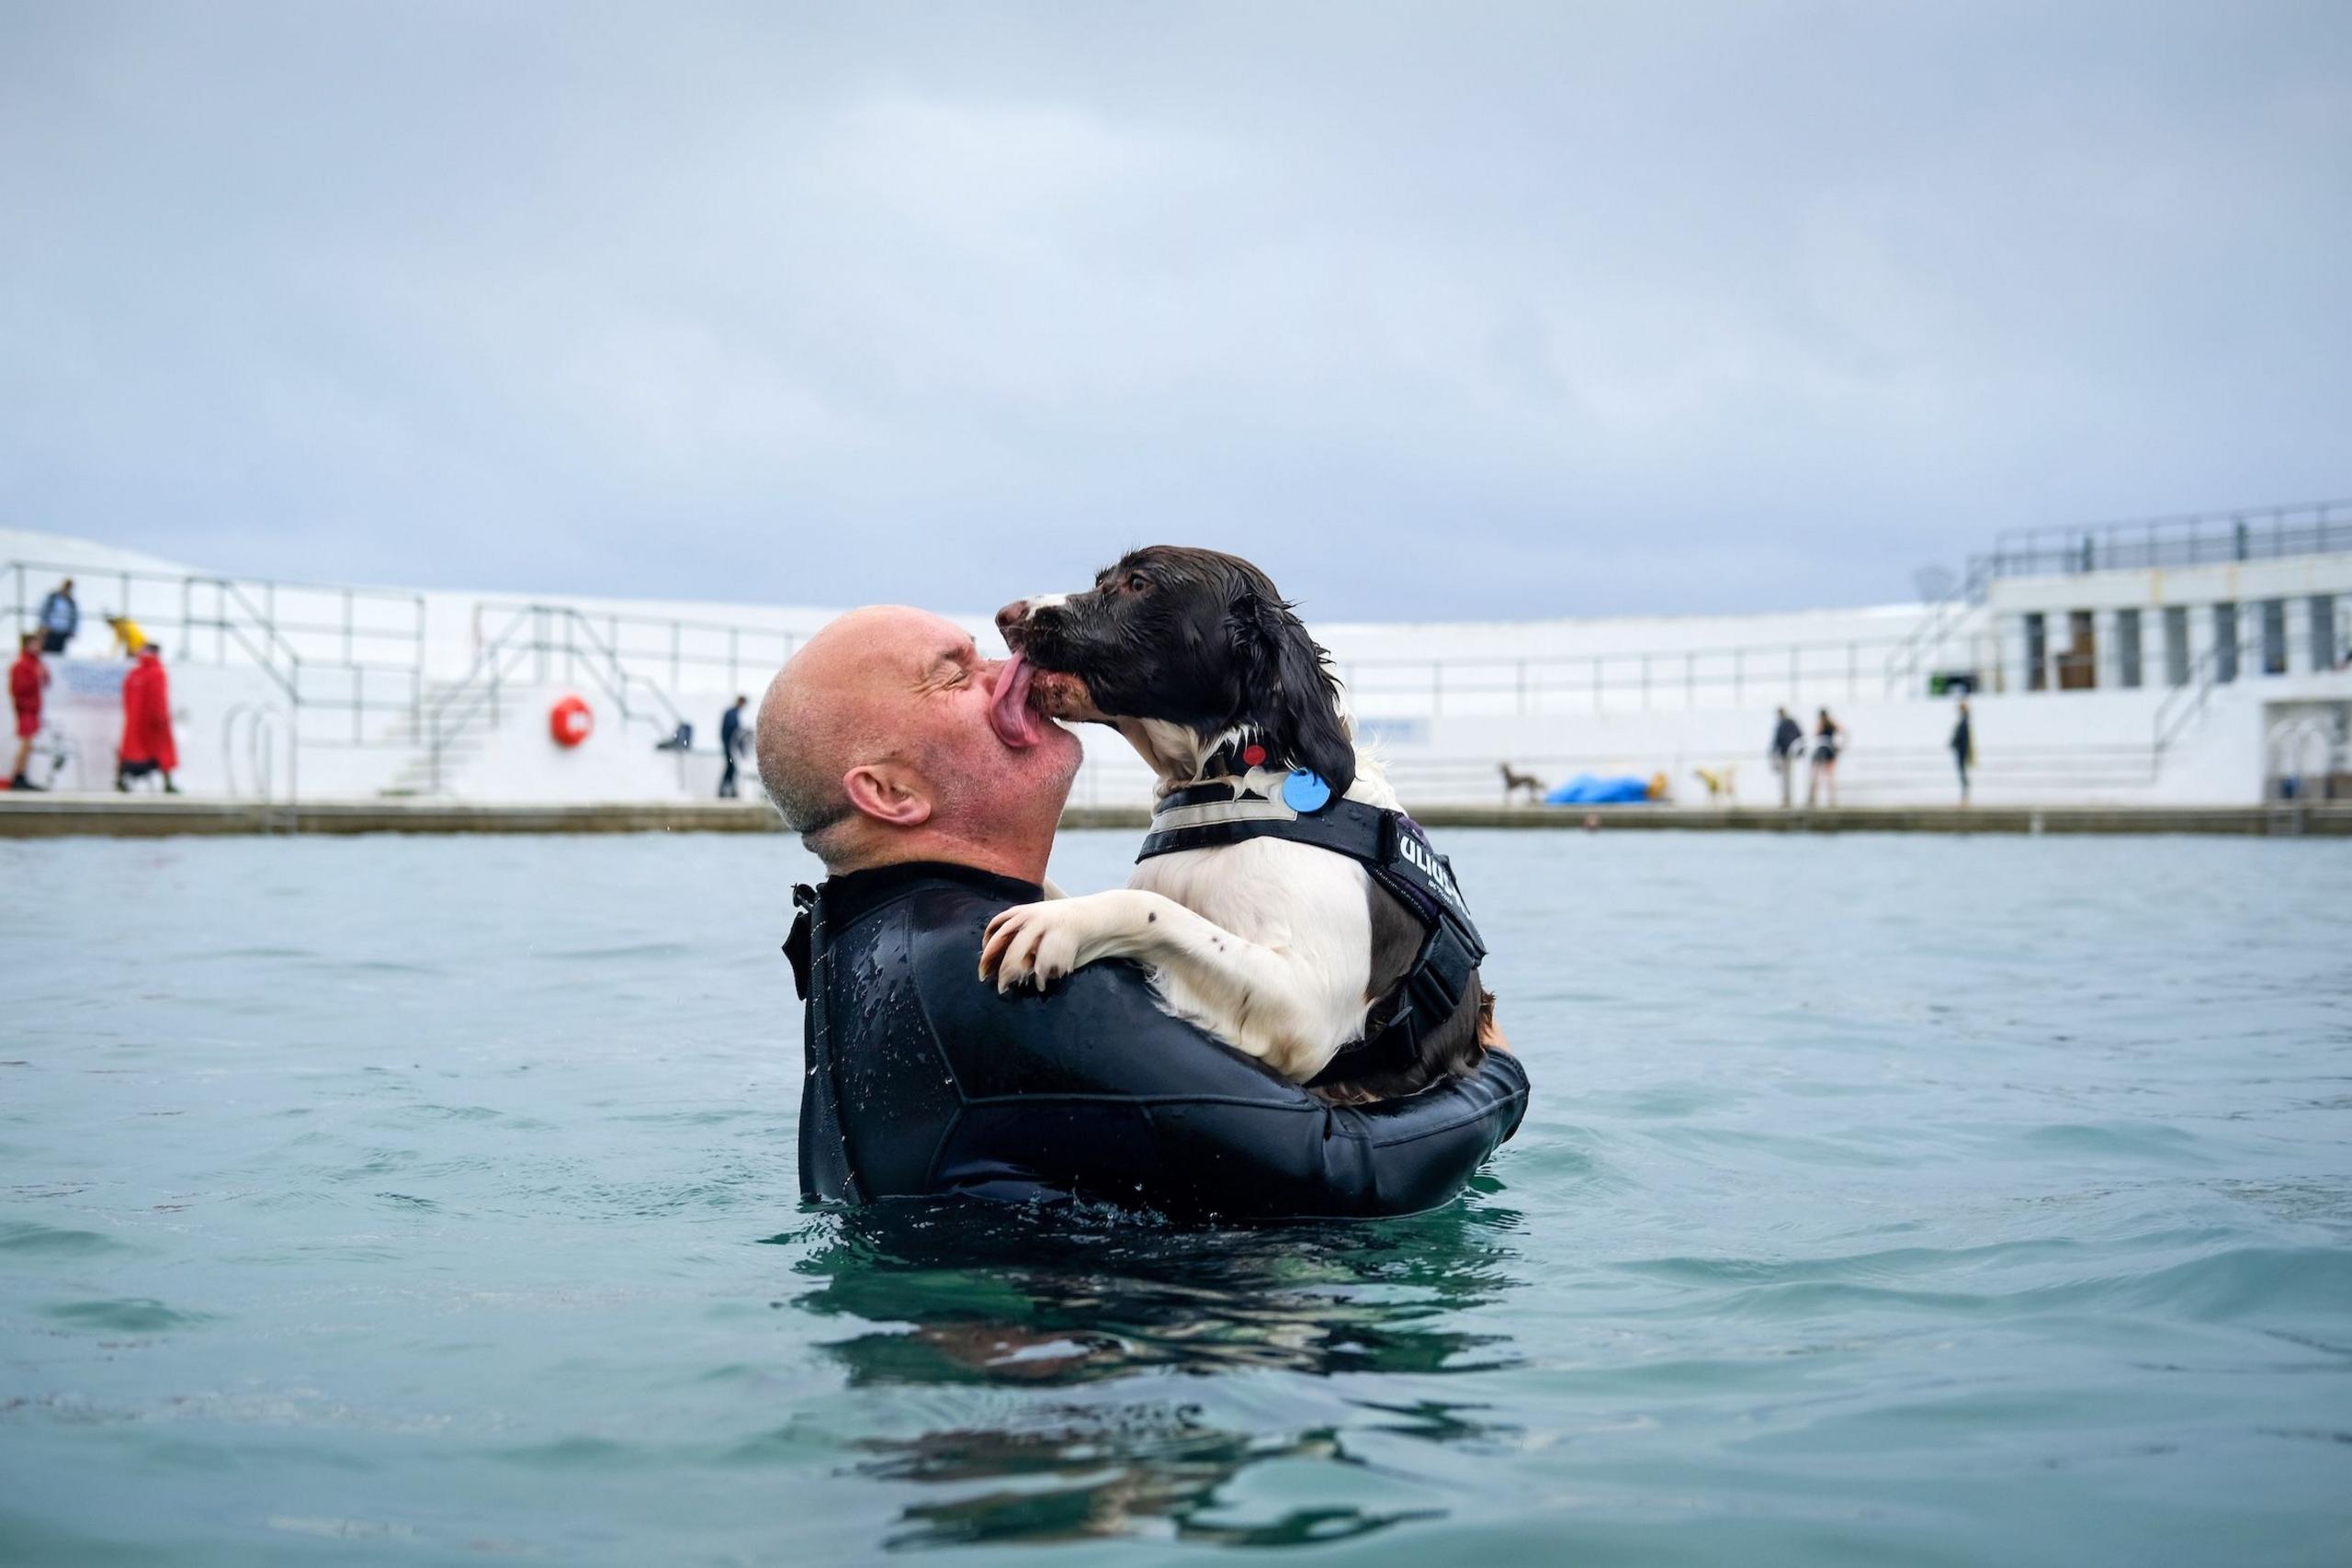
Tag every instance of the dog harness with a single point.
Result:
(1387, 844)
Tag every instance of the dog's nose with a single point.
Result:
(1012, 614)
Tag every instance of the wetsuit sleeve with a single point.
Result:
(1398, 1157)
(1092, 1090)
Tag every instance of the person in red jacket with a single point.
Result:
(27, 676)
(147, 745)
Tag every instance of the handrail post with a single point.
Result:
(1520, 675)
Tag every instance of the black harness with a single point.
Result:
(1392, 849)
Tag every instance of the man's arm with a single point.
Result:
(1092, 1088)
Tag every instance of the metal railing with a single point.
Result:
(557, 644)
(2197, 539)
(337, 653)
(1612, 680)
(1943, 622)
(670, 651)
(2186, 698)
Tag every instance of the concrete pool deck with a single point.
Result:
(55, 816)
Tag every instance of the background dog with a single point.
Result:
(1517, 782)
(1283, 950)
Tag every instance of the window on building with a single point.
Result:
(2127, 648)
(2078, 666)
(2274, 636)
(2322, 631)
(2225, 642)
(2177, 645)
(2037, 652)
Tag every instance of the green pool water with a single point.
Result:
(1882, 1200)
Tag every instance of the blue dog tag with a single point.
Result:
(1304, 792)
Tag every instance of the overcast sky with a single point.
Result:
(1455, 310)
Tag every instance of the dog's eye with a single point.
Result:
(1138, 583)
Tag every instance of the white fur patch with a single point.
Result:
(1306, 910)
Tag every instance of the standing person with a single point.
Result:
(27, 676)
(1788, 739)
(1828, 739)
(147, 746)
(1964, 749)
(60, 618)
(730, 746)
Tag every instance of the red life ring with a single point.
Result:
(570, 722)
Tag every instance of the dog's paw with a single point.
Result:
(1032, 944)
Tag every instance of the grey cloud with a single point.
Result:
(1509, 310)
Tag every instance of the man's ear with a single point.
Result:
(886, 793)
(1293, 701)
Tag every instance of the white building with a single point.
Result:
(2195, 661)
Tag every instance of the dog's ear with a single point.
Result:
(1291, 698)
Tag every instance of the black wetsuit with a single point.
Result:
(923, 1079)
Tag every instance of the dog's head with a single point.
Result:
(1197, 639)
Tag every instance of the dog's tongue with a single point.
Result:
(1009, 713)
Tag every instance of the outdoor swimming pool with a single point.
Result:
(1882, 1199)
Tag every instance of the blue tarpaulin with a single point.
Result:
(1586, 789)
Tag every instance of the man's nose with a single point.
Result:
(1012, 614)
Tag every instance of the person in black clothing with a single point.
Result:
(1788, 739)
(1828, 740)
(730, 747)
(1963, 749)
(891, 747)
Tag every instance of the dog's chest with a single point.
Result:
(1291, 896)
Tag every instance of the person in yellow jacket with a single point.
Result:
(127, 635)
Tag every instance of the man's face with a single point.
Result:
(968, 733)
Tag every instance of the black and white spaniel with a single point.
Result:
(1287, 950)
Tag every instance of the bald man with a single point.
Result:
(929, 780)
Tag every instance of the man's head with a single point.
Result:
(29, 643)
(887, 737)
(66, 586)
